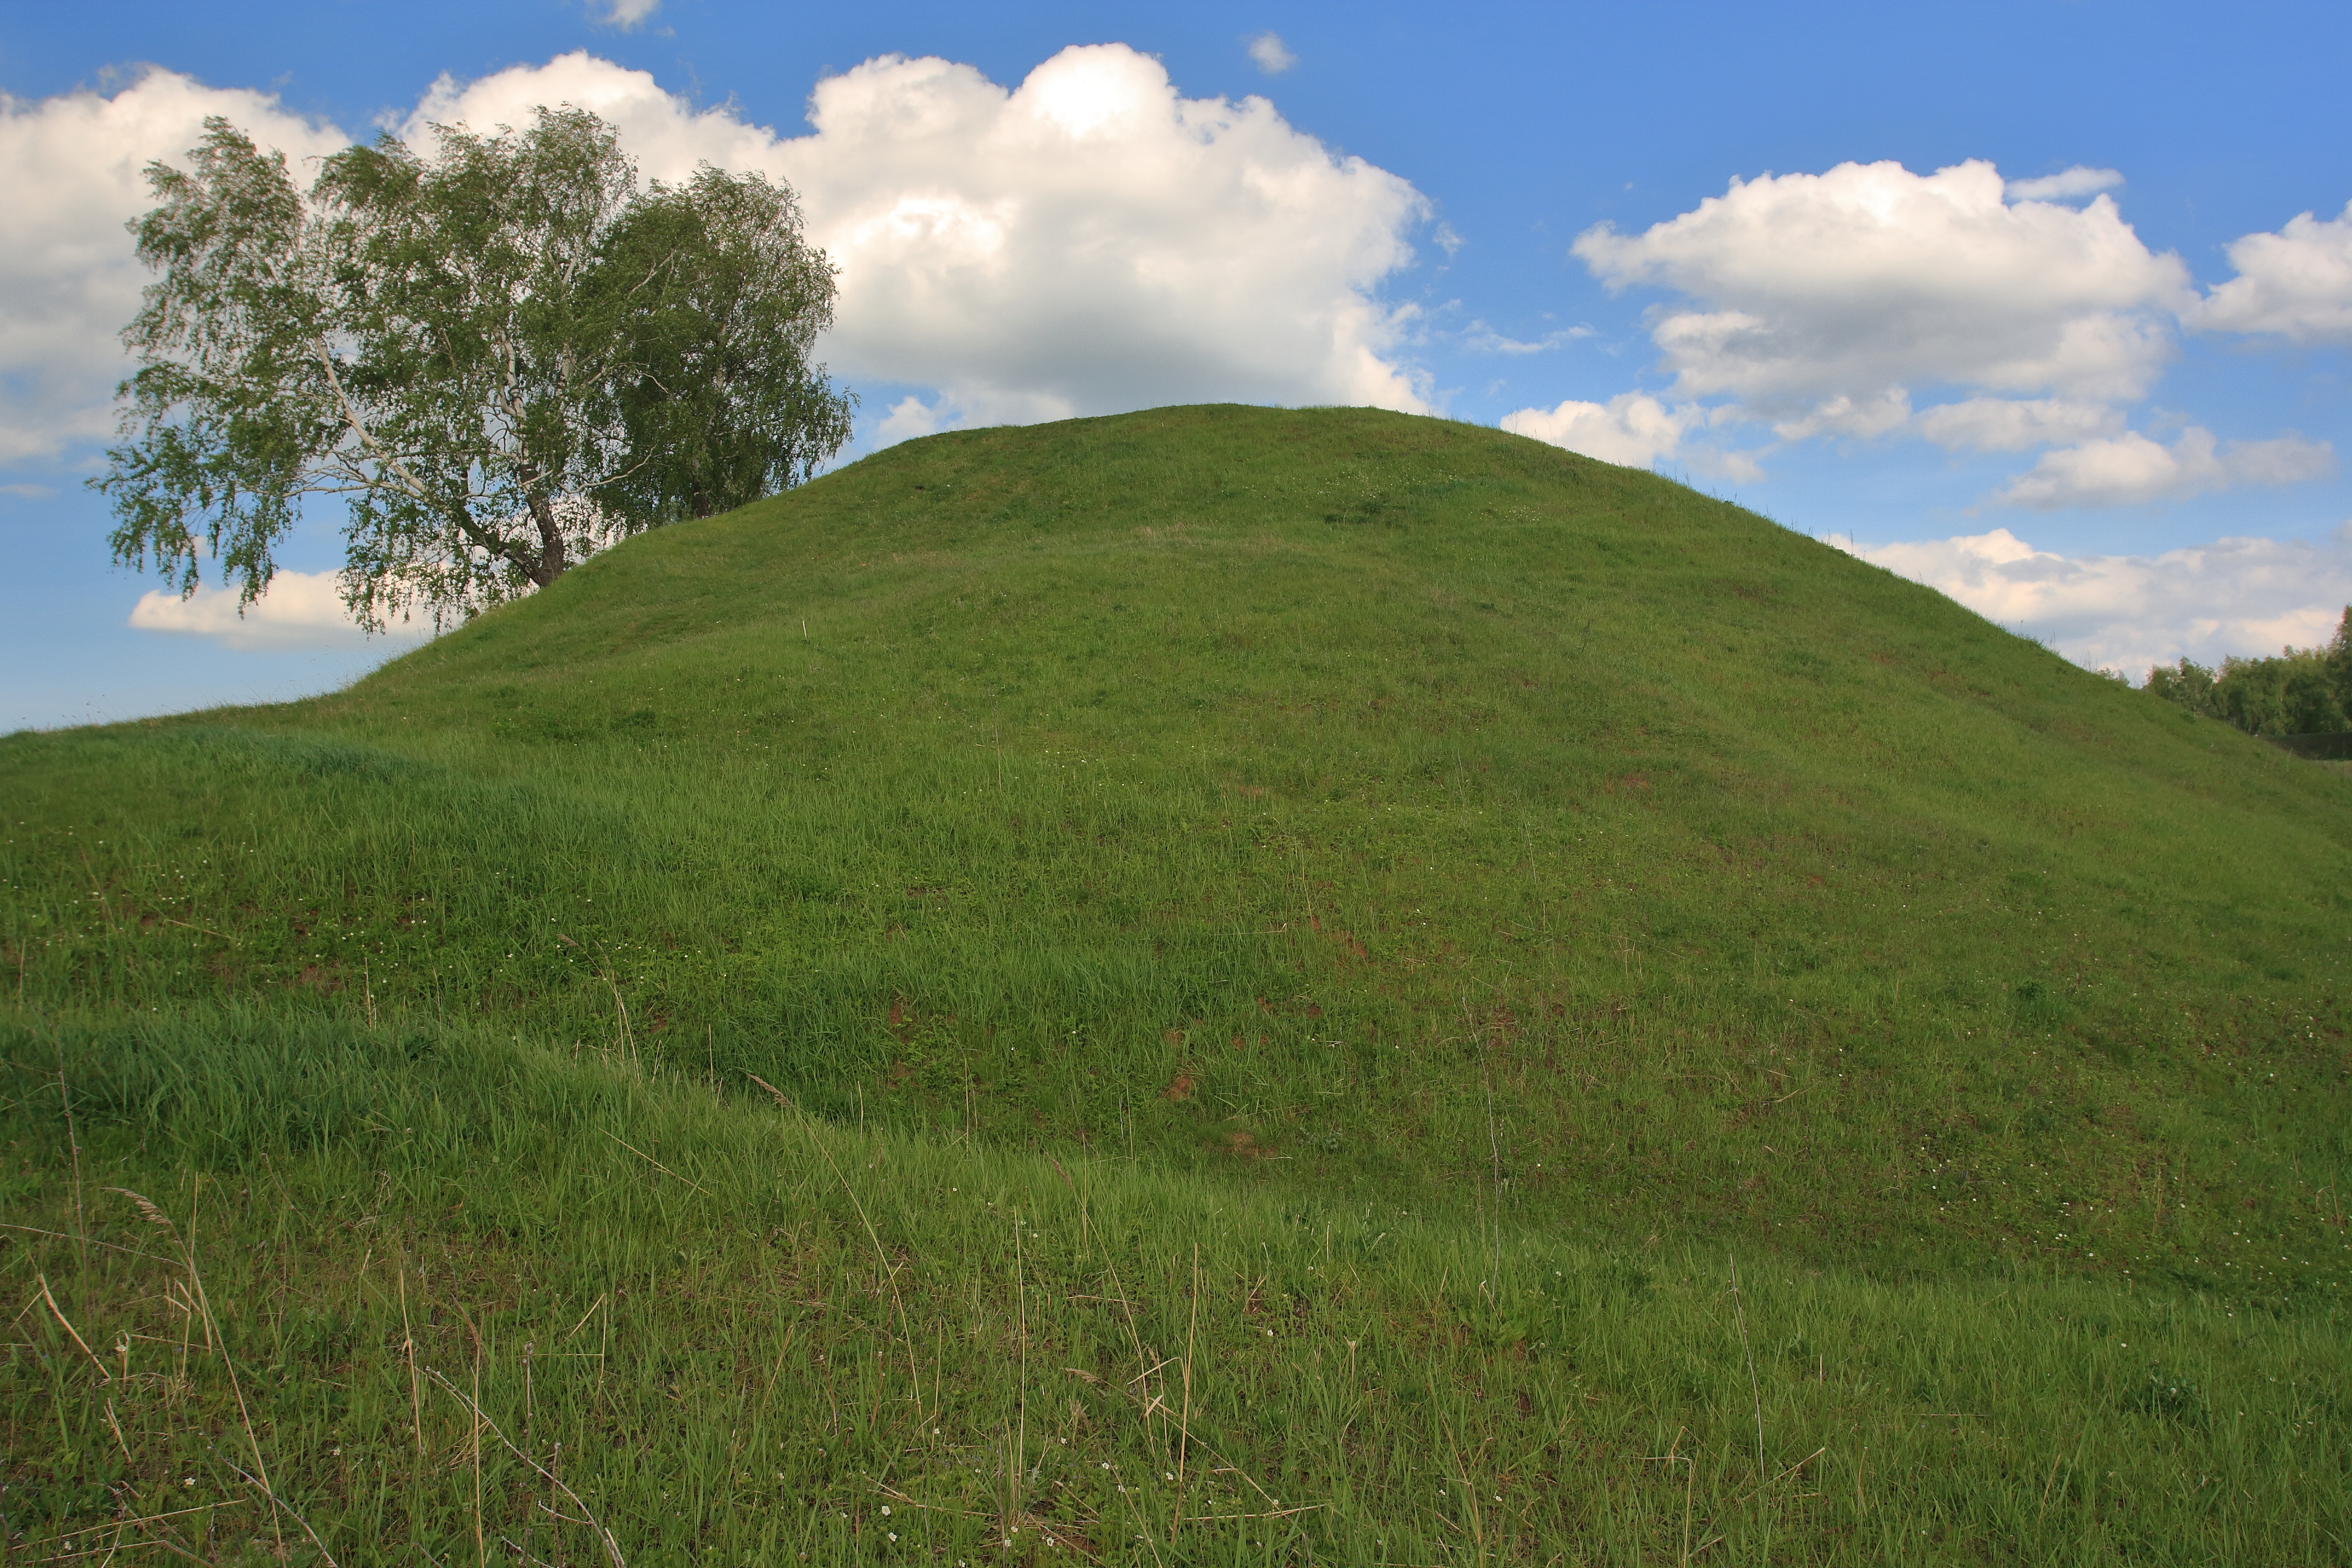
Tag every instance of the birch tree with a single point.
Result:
(501, 358)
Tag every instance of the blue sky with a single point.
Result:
(2103, 408)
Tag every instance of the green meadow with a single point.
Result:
(1216, 986)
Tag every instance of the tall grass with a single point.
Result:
(416, 1289)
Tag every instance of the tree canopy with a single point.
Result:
(2300, 691)
(503, 357)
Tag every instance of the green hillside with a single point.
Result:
(1434, 898)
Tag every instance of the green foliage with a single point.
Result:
(724, 303)
(1272, 821)
(502, 358)
(226, 344)
(2302, 691)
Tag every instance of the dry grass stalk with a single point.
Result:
(73, 1146)
(110, 1246)
(1469, 1488)
(1021, 1435)
(200, 1305)
(1755, 1389)
(408, 1350)
(890, 1270)
(235, 1383)
(587, 1516)
(1184, 1421)
(154, 1215)
(657, 1165)
(58, 1312)
(620, 1010)
(481, 1551)
(1670, 1459)
(1152, 1403)
(278, 1502)
(161, 1534)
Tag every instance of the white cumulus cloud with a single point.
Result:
(1085, 242)
(2245, 596)
(297, 610)
(1974, 314)
(69, 282)
(908, 418)
(1828, 298)
(1632, 428)
(2295, 284)
(668, 137)
(2131, 469)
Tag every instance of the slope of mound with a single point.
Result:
(729, 1333)
(1395, 807)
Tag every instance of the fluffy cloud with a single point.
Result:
(908, 418)
(1272, 57)
(1632, 428)
(2129, 470)
(1087, 241)
(668, 138)
(1812, 293)
(2130, 612)
(2295, 284)
(298, 610)
(1824, 304)
(69, 281)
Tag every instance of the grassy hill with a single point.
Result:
(1516, 1008)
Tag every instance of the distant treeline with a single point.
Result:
(2302, 691)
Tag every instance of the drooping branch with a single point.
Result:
(503, 355)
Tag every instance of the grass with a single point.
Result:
(1478, 897)
(735, 1333)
